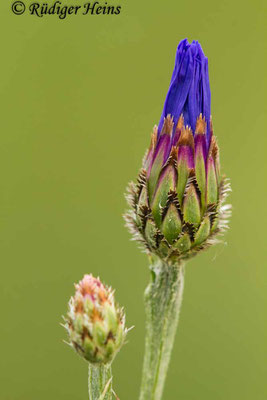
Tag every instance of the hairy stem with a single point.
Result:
(163, 298)
(100, 382)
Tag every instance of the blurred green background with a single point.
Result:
(79, 98)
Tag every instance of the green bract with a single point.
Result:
(177, 204)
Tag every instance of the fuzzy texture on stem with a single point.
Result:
(99, 382)
(163, 298)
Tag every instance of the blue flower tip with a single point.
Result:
(189, 91)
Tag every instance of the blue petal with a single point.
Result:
(189, 91)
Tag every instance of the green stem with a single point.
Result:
(163, 298)
(99, 382)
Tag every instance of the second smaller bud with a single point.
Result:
(95, 323)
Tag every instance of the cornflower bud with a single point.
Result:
(95, 323)
(177, 204)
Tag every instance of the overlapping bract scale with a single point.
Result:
(177, 204)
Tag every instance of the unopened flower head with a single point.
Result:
(95, 323)
(177, 205)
